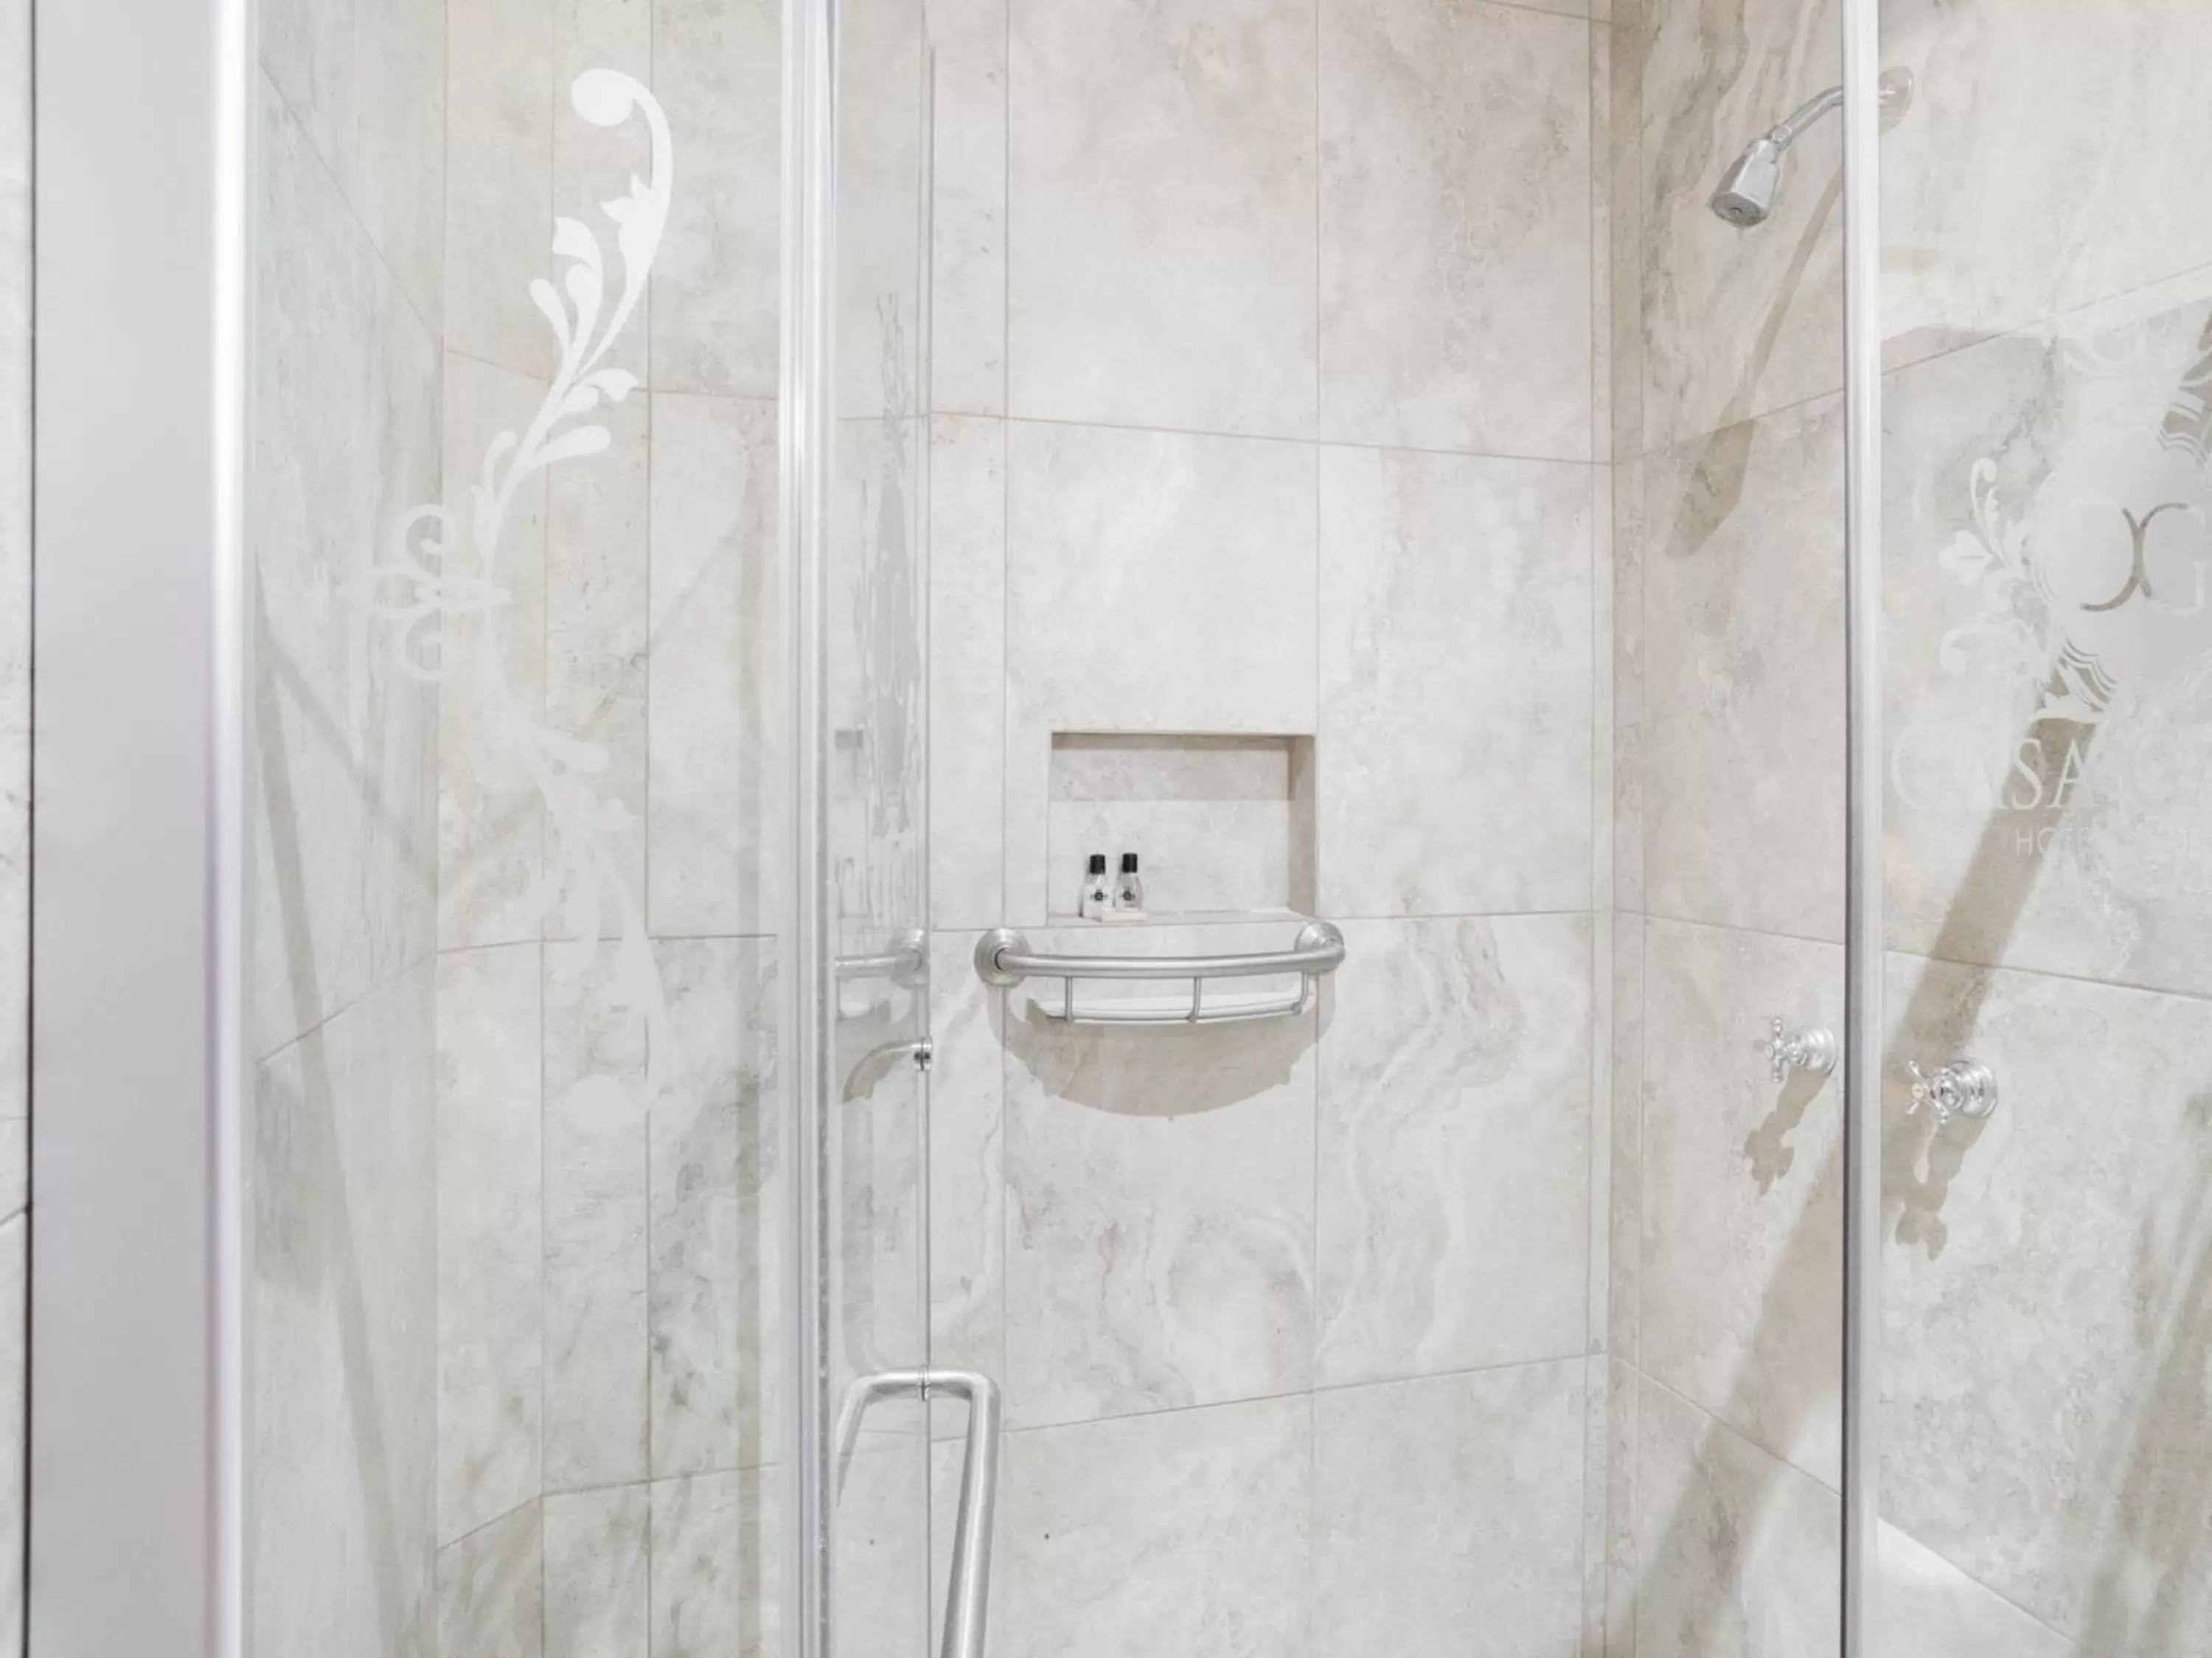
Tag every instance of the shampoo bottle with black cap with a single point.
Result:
(1097, 890)
(1129, 891)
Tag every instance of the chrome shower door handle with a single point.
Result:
(968, 1598)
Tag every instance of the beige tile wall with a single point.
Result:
(1269, 405)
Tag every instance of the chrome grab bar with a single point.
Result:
(1003, 957)
(968, 1598)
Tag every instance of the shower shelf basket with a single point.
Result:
(1004, 958)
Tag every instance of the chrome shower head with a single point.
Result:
(1747, 193)
(1747, 189)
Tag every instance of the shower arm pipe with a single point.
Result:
(1788, 132)
(1895, 91)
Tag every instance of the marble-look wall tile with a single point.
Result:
(1594, 1504)
(1743, 728)
(714, 666)
(1631, 765)
(346, 410)
(1160, 581)
(1207, 1510)
(1622, 158)
(1739, 1555)
(2049, 753)
(714, 1165)
(716, 1567)
(883, 155)
(967, 671)
(1161, 248)
(15, 1425)
(1736, 323)
(1742, 1302)
(1623, 1462)
(1926, 1608)
(1453, 766)
(882, 1540)
(598, 577)
(2001, 201)
(2047, 1298)
(1159, 1221)
(1623, 1101)
(877, 1190)
(968, 293)
(1604, 111)
(490, 1232)
(1455, 1094)
(1155, 582)
(593, 165)
(1604, 981)
(1456, 227)
(717, 70)
(874, 649)
(598, 1574)
(367, 82)
(1448, 1516)
(596, 1253)
(491, 814)
(500, 115)
(491, 1589)
(1606, 794)
(344, 1354)
(966, 1165)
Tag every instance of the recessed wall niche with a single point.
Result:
(1222, 825)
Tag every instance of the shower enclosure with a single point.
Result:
(1634, 573)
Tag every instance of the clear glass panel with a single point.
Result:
(1728, 449)
(2047, 1421)
(516, 714)
(876, 1118)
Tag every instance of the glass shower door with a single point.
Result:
(872, 1101)
(2046, 1406)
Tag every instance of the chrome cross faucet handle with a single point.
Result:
(1964, 1088)
(1810, 1047)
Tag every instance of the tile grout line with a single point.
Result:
(1567, 1362)
(1298, 440)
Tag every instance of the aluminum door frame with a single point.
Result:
(137, 889)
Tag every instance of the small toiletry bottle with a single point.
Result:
(1097, 890)
(1129, 891)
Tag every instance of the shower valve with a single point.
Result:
(1810, 1047)
(1964, 1088)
